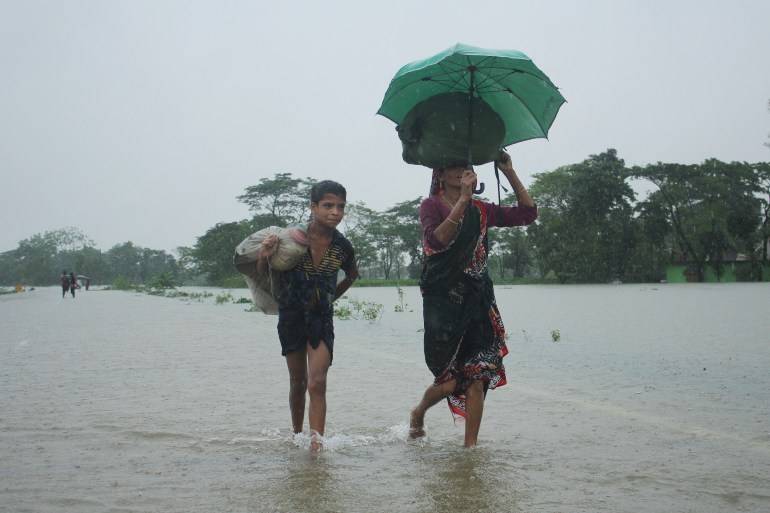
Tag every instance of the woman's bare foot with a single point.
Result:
(416, 427)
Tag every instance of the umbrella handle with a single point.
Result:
(480, 189)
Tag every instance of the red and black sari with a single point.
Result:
(464, 333)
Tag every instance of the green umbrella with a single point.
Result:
(466, 103)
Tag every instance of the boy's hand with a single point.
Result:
(268, 247)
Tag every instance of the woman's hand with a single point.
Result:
(506, 166)
(504, 163)
(467, 184)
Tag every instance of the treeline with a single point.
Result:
(591, 229)
(40, 259)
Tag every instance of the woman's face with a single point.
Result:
(452, 176)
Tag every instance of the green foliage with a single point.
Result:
(713, 211)
(403, 227)
(358, 221)
(163, 281)
(401, 306)
(385, 241)
(34, 262)
(342, 310)
(584, 233)
(590, 230)
(236, 281)
(194, 296)
(213, 252)
(40, 259)
(121, 283)
(280, 201)
(224, 297)
(512, 250)
(353, 308)
(555, 335)
(135, 263)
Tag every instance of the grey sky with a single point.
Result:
(142, 120)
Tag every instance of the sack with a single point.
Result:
(435, 132)
(292, 246)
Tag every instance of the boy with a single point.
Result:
(305, 305)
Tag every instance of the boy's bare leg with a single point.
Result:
(432, 396)
(474, 408)
(297, 364)
(319, 361)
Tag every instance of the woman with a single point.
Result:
(464, 334)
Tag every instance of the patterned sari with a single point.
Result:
(464, 333)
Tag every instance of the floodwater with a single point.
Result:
(653, 399)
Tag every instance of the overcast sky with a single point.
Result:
(142, 120)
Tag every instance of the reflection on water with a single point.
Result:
(458, 479)
(311, 479)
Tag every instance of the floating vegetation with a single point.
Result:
(401, 306)
(356, 309)
(555, 335)
(224, 297)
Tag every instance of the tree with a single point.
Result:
(512, 249)
(763, 169)
(91, 262)
(384, 239)
(34, 262)
(155, 262)
(401, 224)
(359, 221)
(9, 268)
(125, 261)
(187, 268)
(653, 242)
(70, 239)
(213, 252)
(39, 259)
(714, 209)
(584, 229)
(280, 201)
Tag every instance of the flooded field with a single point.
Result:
(649, 398)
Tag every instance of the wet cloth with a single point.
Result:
(464, 333)
(303, 285)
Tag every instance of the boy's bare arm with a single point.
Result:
(345, 284)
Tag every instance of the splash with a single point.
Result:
(341, 441)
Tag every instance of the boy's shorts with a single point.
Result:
(299, 326)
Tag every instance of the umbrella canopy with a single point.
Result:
(508, 100)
